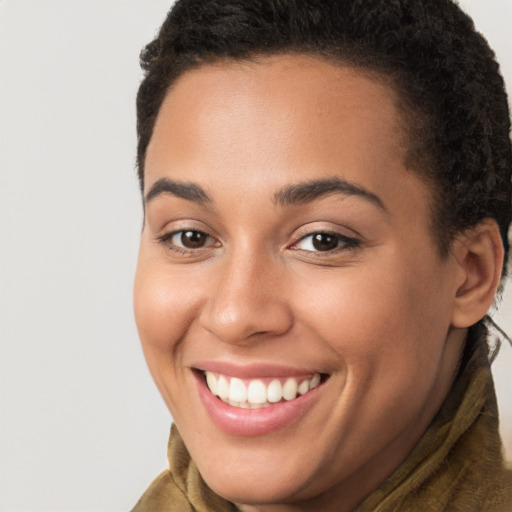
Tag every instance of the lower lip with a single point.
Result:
(255, 422)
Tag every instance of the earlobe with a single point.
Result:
(479, 254)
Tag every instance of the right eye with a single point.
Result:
(187, 240)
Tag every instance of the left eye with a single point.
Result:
(189, 239)
(324, 242)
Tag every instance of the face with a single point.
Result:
(291, 301)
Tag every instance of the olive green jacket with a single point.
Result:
(457, 466)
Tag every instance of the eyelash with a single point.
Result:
(343, 243)
(166, 239)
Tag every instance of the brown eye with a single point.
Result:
(324, 242)
(193, 239)
(187, 240)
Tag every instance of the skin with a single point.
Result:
(383, 317)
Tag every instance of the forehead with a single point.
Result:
(278, 120)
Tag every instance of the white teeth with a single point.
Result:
(303, 387)
(290, 389)
(212, 383)
(315, 381)
(256, 394)
(223, 388)
(237, 390)
(274, 391)
(258, 406)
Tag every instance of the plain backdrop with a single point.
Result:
(82, 425)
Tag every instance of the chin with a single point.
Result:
(252, 490)
(267, 480)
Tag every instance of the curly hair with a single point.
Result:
(453, 100)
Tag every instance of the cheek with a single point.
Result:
(378, 315)
(388, 329)
(165, 305)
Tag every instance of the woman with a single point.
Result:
(327, 193)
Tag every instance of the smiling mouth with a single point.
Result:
(260, 393)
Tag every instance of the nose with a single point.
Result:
(248, 300)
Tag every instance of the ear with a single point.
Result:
(479, 254)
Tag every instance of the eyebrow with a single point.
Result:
(308, 191)
(299, 193)
(183, 190)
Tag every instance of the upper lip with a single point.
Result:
(252, 371)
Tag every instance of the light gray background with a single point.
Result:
(82, 426)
